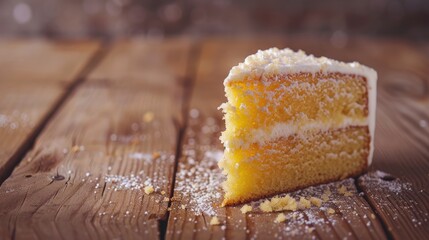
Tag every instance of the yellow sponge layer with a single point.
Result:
(294, 162)
(299, 98)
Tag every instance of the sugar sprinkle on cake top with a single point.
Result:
(274, 60)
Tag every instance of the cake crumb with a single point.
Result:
(342, 189)
(166, 199)
(291, 205)
(266, 206)
(326, 194)
(149, 189)
(162, 192)
(280, 218)
(330, 211)
(148, 117)
(325, 198)
(214, 221)
(372, 216)
(183, 206)
(156, 155)
(310, 229)
(277, 204)
(316, 201)
(246, 208)
(75, 148)
(348, 194)
(303, 203)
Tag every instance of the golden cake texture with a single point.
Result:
(295, 120)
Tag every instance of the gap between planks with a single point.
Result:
(28, 144)
(187, 86)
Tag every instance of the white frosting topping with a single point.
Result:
(273, 60)
(286, 61)
(372, 103)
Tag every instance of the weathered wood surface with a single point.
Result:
(34, 77)
(194, 206)
(141, 65)
(401, 198)
(134, 118)
(42, 61)
(85, 176)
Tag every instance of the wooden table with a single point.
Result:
(86, 126)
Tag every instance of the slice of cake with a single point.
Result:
(294, 120)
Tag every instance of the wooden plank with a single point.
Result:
(86, 175)
(399, 193)
(140, 66)
(34, 77)
(40, 61)
(197, 192)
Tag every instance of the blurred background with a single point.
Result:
(74, 19)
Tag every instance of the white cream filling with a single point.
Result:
(279, 130)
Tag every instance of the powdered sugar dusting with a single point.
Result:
(15, 120)
(386, 181)
(138, 180)
(124, 182)
(140, 156)
(392, 194)
(201, 181)
(128, 182)
(215, 155)
(198, 178)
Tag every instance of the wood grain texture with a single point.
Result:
(34, 76)
(84, 179)
(400, 192)
(140, 65)
(120, 131)
(40, 61)
(192, 210)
